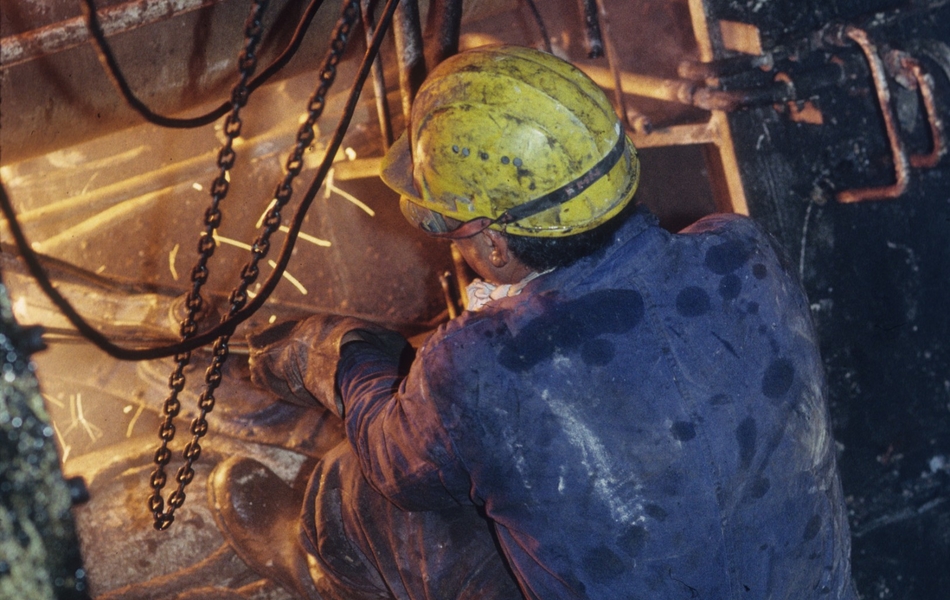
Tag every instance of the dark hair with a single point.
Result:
(544, 253)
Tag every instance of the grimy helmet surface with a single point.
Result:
(517, 138)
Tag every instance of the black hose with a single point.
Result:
(114, 71)
(545, 38)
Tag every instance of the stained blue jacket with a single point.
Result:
(647, 423)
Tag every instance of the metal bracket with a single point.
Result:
(907, 71)
(901, 164)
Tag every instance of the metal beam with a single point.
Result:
(30, 45)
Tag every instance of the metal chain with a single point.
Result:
(238, 297)
(247, 62)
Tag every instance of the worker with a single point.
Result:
(621, 412)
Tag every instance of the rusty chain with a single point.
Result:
(238, 298)
(247, 62)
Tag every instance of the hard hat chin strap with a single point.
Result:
(550, 200)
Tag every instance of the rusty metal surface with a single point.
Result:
(128, 560)
(69, 33)
(442, 30)
(146, 193)
(175, 65)
(407, 33)
(179, 66)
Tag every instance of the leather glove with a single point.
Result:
(298, 360)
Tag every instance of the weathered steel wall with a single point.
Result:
(182, 59)
(877, 271)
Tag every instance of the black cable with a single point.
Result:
(281, 61)
(226, 327)
(90, 333)
(114, 71)
(540, 22)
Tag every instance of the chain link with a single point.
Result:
(249, 273)
(199, 276)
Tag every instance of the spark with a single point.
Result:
(308, 238)
(330, 188)
(303, 236)
(88, 183)
(78, 418)
(93, 431)
(293, 280)
(135, 417)
(171, 262)
(264, 214)
(62, 442)
(53, 401)
(220, 239)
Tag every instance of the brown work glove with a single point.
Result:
(298, 360)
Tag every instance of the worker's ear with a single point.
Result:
(498, 253)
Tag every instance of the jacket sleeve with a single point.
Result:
(404, 448)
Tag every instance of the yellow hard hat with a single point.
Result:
(514, 139)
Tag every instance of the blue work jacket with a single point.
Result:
(649, 423)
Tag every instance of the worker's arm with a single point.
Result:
(404, 448)
(402, 445)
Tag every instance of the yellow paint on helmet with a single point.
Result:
(498, 126)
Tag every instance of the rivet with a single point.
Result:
(504, 160)
(483, 155)
(517, 162)
(465, 152)
(455, 149)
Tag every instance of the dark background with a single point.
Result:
(877, 272)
